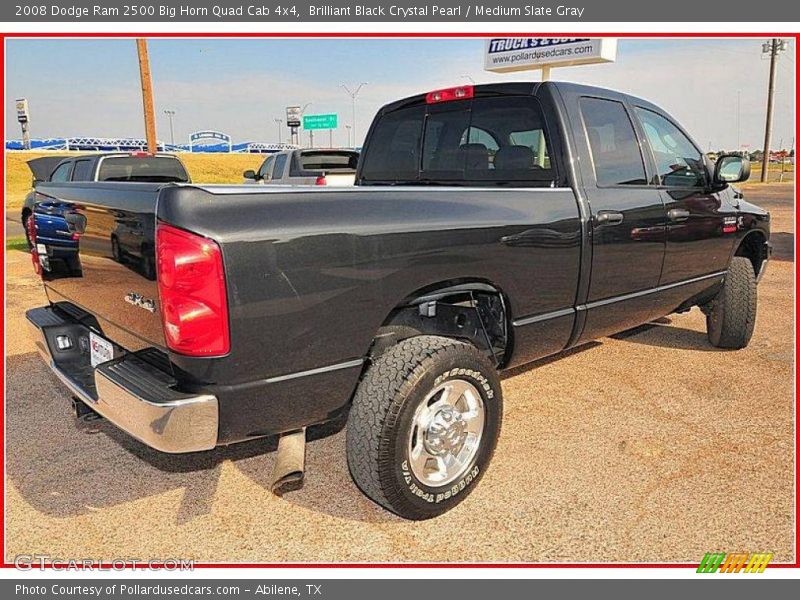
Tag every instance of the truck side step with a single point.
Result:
(289, 470)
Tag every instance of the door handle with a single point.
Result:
(608, 217)
(676, 215)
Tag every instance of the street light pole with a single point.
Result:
(353, 94)
(278, 122)
(348, 136)
(310, 131)
(170, 113)
(738, 121)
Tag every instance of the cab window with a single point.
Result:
(615, 150)
(679, 162)
(280, 164)
(266, 168)
(81, 170)
(62, 172)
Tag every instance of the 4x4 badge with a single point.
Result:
(140, 301)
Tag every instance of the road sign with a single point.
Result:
(504, 55)
(330, 121)
(293, 116)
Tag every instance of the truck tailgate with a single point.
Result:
(111, 273)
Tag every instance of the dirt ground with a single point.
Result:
(648, 446)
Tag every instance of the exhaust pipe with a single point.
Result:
(289, 470)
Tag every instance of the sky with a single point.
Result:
(91, 87)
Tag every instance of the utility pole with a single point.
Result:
(353, 94)
(279, 122)
(147, 96)
(170, 113)
(771, 49)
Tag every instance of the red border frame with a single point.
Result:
(795, 36)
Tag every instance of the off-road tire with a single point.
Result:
(382, 415)
(731, 315)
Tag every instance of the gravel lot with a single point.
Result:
(648, 446)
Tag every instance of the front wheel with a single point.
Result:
(731, 315)
(424, 425)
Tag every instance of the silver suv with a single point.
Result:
(334, 167)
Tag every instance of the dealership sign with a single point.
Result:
(217, 136)
(504, 55)
(293, 116)
(22, 110)
(330, 121)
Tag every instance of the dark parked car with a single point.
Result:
(58, 239)
(489, 226)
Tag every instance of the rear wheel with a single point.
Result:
(731, 315)
(423, 426)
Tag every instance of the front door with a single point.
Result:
(628, 222)
(701, 226)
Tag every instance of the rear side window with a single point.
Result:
(62, 172)
(156, 169)
(488, 140)
(280, 163)
(615, 151)
(81, 170)
(679, 162)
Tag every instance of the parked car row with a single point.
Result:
(58, 240)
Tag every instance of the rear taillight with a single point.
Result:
(457, 93)
(191, 285)
(31, 225)
(321, 180)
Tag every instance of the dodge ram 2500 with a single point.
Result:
(490, 226)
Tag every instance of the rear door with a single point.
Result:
(701, 227)
(628, 236)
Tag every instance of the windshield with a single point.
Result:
(155, 169)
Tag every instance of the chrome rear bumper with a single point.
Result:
(130, 392)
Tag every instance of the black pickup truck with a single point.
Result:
(489, 226)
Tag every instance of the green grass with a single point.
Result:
(17, 243)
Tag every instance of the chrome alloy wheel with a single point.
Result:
(446, 433)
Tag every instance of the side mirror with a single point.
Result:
(250, 174)
(731, 168)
